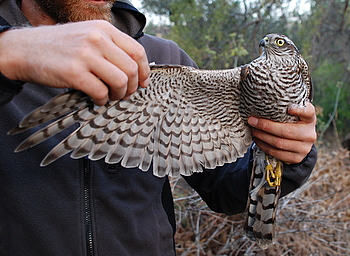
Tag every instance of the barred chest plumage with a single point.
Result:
(270, 85)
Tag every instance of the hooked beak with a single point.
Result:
(263, 42)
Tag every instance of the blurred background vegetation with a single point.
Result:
(218, 34)
(221, 34)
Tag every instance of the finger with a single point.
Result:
(125, 54)
(93, 87)
(139, 55)
(305, 114)
(117, 69)
(273, 128)
(114, 79)
(292, 145)
(294, 131)
(127, 62)
(286, 156)
(136, 52)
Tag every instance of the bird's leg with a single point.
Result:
(273, 174)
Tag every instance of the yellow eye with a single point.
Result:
(279, 42)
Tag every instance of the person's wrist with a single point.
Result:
(6, 83)
(3, 28)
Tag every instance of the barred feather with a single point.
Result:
(262, 203)
(167, 124)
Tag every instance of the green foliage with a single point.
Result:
(326, 95)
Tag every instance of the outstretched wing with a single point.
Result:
(186, 119)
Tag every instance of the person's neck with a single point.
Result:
(35, 14)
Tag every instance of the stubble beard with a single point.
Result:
(63, 11)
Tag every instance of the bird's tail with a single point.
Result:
(263, 197)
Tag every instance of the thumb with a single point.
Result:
(306, 113)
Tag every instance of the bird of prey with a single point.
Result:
(187, 119)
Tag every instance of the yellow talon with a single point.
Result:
(273, 175)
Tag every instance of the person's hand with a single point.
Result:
(91, 56)
(289, 142)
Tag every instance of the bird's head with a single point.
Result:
(275, 45)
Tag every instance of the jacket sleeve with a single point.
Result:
(8, 89)
(225, 189)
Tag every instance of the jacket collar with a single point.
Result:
(128, 19)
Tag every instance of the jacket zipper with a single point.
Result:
(87, 208)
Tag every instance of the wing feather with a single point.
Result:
(185, 120)
(57, 107)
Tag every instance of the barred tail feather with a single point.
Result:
(257, 180)
(262, 204)
(264, 226)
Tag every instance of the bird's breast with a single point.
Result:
(268, 91)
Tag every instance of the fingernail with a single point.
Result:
(253, 121)
(145, 83)
(293, 106)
